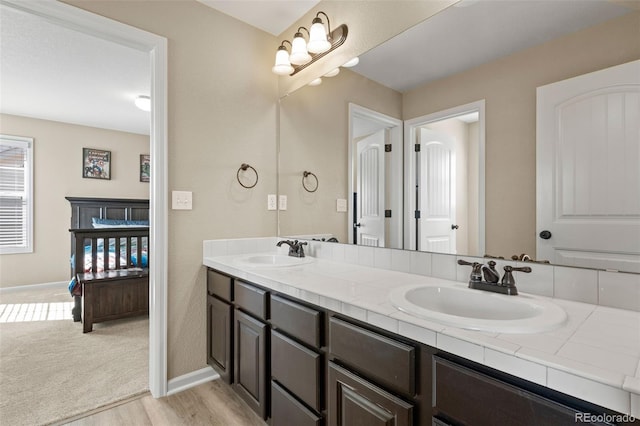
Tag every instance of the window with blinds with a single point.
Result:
(16, 194)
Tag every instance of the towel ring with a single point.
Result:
(306, 174)
(244, 167)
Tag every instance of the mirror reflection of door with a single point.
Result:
(446, 200)
(370, 196)
(437, 192)
(588, 169)
(375, 150)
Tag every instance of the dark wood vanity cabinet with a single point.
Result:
(251, 333)
(298, 364)
(467, 396)
(219, 324)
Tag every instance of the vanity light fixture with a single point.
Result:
(316, 82)
(143, 102)
(303, 53)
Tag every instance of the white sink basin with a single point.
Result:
(479, 310)
(272, 261)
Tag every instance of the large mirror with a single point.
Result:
(461, 85)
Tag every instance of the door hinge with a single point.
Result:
(417, 214)
(387, 213)
(387, 147)
(416, 147)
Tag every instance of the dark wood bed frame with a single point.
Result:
(122, 289)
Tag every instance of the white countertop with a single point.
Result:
(594, 356)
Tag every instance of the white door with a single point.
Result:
(436, 195)
(370, 184)
(588, 169)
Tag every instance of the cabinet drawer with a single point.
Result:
(297, 320)
(219, 285)
(297, 368)
(250, 299)
(466, 396)
(287, 411)
(354, 401)
(385, 360)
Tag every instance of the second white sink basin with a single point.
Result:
(479, 310)
(273, 261)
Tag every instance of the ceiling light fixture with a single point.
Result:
(143, 102)
(305, 53)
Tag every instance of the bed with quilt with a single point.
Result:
(109, 259)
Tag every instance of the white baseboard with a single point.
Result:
(60, 284)
(189, 380)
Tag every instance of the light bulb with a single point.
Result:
(316, 82)
(318, 37)
(351, 63)
(282, 65)
(299, 54)
(333, 72)
(143, 102)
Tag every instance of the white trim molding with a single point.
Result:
(107, 29)
(190, 380)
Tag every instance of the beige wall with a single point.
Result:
(509, 87)
(57, 174)
(314, 129)
(221, 114)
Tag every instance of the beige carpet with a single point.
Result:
(50, 370)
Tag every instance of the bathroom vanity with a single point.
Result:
(299, 349)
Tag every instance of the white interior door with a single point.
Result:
(370, 184)
(588, 169)
(436, 195)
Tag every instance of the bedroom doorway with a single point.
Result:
(156, 47)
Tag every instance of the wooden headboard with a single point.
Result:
(83, 209)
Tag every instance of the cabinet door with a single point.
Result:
(219, 343)
(250, 350)
(356, 402)
(465, 396)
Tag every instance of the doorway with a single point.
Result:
(444, 175)
(375, 178)
(156, 46)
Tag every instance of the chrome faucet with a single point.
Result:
(295, 247)
(491, 277)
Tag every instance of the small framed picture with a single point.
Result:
(145, 167)
(96, 163)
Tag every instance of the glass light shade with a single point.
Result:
(143, 102)
(351, 63)
(316, 82)
(318, 38)
(282, 66)
(333, 72)
(299, 54)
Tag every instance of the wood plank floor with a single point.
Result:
(213, 403)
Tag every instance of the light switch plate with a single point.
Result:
(282, 202)
(272, 203)
(341, 205)
(181, 200)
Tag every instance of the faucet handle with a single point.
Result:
(476, 268)
(507, 278)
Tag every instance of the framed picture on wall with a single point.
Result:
(145, 167)
(96, 163)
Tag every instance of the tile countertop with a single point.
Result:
(594, 356)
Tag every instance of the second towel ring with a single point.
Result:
(244, 167)
(306, 174)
